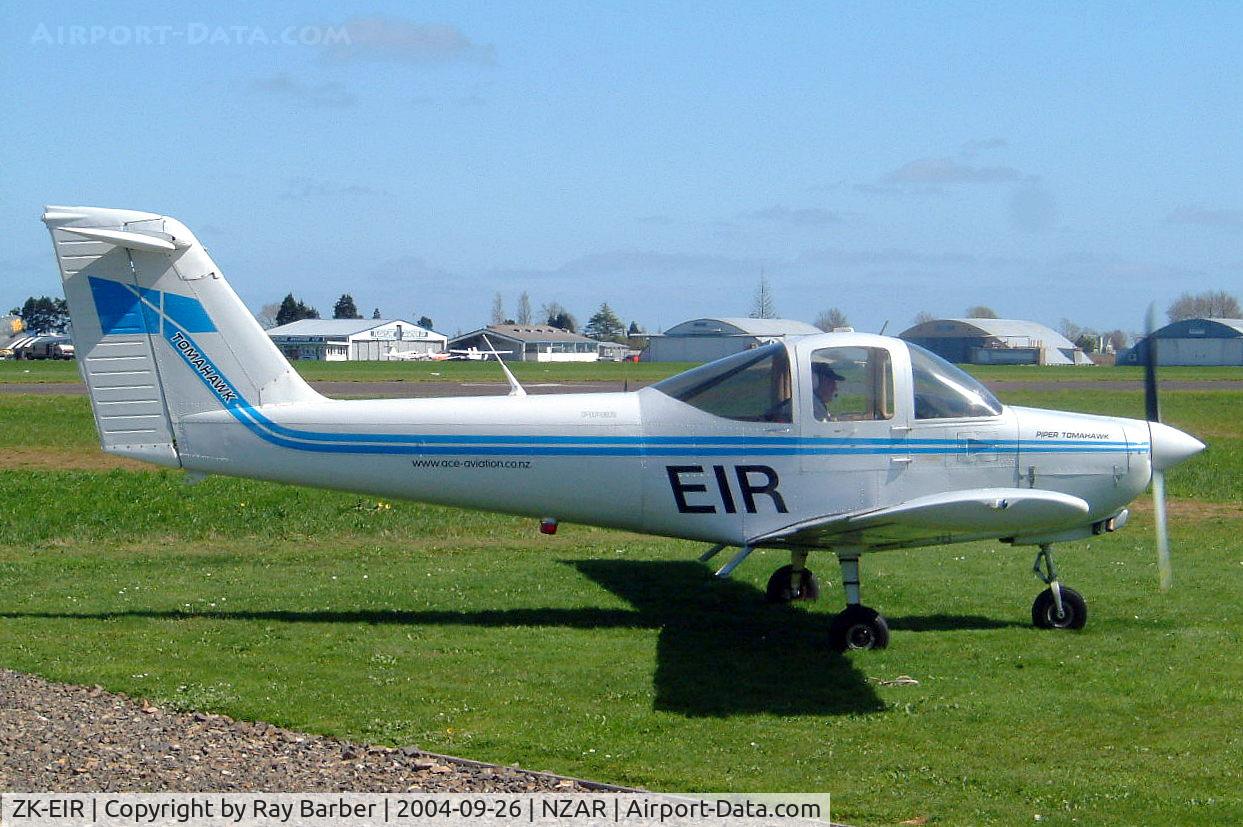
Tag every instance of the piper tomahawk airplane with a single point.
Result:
(845, 442)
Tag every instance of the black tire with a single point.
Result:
(858, 627)
(1074, 607)
(780, 589)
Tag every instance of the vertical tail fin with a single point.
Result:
(159, 333)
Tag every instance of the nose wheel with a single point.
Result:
(1057, 607)
(1073, 613)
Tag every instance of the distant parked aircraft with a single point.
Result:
(473, 354)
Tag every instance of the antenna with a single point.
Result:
(882, 328)
(515, 389)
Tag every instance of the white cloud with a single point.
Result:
(796, 217)
(332, 95)
(935, 171)
(297, 188)
(381, 38)
(973, 148)
(840, 257)
(1032, 209)
(1207, 217)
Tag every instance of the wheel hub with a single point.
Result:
(860, 636)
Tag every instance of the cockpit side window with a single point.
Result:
(943, 391)
(752, 386)
(851, 384)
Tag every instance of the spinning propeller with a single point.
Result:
(1169, 447)
(1152, 412)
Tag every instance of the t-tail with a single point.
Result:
(160, 335)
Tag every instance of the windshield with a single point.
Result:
(943, 391)
(753, 386)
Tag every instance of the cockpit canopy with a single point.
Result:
(752, 386)
(846, 382)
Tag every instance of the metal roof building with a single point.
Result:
(995, 342)
(1192, 342)
(530, 343)
(340, 340)
(702, 340)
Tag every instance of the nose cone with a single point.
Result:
(1171, 446)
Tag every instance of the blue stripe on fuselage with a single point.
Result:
(603, 446)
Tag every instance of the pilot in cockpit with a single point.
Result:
(824, 388)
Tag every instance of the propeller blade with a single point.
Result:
(1164, 570)
(1152, 411)
(1152, 407)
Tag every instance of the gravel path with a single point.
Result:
(59, 738)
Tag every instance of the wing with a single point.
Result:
(937, 518)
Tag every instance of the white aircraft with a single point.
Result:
(472, 354)
(845, 442)
(395, 355)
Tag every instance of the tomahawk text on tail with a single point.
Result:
(842, 442)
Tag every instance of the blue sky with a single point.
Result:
(1048, 159)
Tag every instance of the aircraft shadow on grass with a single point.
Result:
(722, 650)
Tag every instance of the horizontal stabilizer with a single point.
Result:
(128, 240)
(995, 512)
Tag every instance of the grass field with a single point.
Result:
(616, 657)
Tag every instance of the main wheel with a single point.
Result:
(858, 627)
(781, 588)
(1074, 610)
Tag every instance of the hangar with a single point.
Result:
(341, 340)
(995, 342)
(1193, 342)
(530, 343)
(702, 340)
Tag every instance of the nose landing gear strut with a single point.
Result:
(1057, 607)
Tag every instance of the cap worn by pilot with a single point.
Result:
(824, 370)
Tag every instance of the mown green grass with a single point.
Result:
(40, 371)
(1093, 373)
(614, 656)
(51, 421)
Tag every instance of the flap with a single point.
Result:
(985, 512)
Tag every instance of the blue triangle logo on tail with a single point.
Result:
(125, 309)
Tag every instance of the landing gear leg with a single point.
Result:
(857, 626)
(793, 582)
(1057, 607)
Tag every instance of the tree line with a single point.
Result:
(604, 324)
